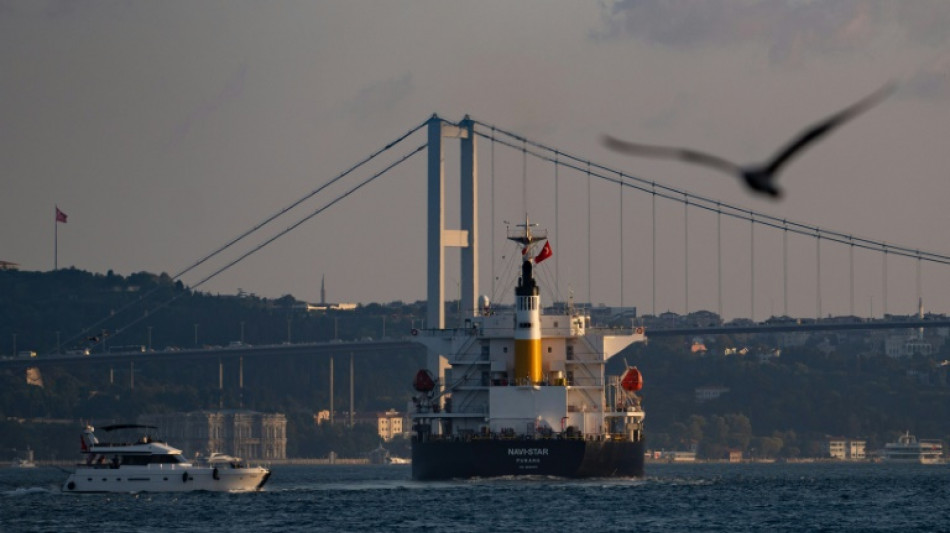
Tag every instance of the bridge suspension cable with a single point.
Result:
(585, 166)
(86, 331)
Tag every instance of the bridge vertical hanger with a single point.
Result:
(439, 237)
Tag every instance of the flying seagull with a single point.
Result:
(761, 177)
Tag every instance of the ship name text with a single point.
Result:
(528, 451)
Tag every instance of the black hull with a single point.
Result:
(572, 458)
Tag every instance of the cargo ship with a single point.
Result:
(523, 391)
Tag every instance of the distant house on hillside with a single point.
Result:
(388, 424)
(704, 394)
(7, 265)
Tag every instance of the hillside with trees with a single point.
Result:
(784, 405)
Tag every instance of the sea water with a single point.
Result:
(680, 497)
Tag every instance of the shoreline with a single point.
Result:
(307, 461)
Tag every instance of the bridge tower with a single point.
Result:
(440, 238)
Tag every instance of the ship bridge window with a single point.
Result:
(527, 303)
(137, 460)
(524, 325)
(166, 458)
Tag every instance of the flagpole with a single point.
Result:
(60, 217)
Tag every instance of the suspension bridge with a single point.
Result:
(613, 233)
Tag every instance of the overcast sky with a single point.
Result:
(165, 129)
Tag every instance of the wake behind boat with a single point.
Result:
(149, 465)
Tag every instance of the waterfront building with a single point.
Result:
(845, 449)
(248, 434)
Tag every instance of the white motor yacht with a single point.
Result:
(149, 465)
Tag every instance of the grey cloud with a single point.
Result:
(925, 21)
(380, 97)
(790, 28)
(63, 9)
(931, 81)
(232, 89)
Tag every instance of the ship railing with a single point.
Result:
(447, 333)
(585, 381)
(430, 437)
(622, 437)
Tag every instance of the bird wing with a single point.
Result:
(822, 128)
(666, 152)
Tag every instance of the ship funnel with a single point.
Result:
(528, 358)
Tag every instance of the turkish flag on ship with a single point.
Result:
(545, 253)
(60, 216)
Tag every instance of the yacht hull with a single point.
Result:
(175, 479)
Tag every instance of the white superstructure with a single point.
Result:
(524, 373)
(908, 449)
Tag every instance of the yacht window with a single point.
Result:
(136, 460)
(167, 458)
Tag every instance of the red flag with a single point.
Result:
(545, 253)
(60, 216)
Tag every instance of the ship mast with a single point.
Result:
(527, 335)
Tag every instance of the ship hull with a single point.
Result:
(570, 458)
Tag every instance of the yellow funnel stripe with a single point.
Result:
(527, 360)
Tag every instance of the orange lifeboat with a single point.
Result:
(632, 380)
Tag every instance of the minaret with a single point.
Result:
(323, 290)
